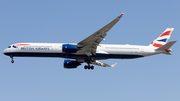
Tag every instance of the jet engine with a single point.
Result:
(69, 64)
(68, 48)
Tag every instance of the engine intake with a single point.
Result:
(68, 48)
(69, 64)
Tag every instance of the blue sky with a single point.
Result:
(154, 78)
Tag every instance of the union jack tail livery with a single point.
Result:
(162, 39)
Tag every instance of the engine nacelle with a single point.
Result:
(68, 48)
(71, 64)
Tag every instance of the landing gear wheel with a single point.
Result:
(92, 67)
(12, 61)
(88, 67)
(89, 60)
(85, 67)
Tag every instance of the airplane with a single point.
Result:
(90, 50)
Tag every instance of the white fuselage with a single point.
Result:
(103, 51)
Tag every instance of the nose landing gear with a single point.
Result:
(12, 60)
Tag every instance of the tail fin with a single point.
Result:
(162, 39)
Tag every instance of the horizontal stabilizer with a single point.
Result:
(167, 46)
(167, 53)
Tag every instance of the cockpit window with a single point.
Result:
(9, 46)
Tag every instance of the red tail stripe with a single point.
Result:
(165, 33)
(157, 45)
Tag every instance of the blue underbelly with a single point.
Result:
(74, 56)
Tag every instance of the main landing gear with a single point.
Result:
(88, 61)
(88, 67)
(12, 60)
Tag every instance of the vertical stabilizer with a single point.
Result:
(162, 39)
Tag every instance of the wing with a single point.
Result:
(89, 45)
(102, 64)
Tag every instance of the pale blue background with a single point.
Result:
(154, 78)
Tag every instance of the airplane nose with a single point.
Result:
(4, 52)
